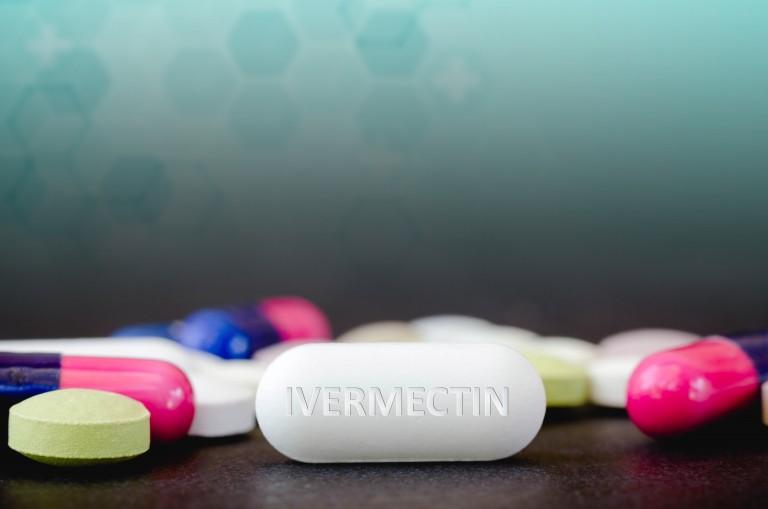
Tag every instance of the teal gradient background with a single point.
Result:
(575, 167)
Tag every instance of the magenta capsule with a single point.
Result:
(160, 386)
(676, 391)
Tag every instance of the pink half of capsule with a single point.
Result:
(296, 318)
(162, 387)
(678, 390)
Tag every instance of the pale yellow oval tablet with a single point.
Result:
(78, 427)
(565, 384)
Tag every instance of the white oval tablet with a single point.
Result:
(645, 341)
(619, 354)
(608, 379)
(243, 372)
(376, 402)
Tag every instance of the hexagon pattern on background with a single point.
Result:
(197, 199)
(263, 116)
(199, 81)
(394, 117)
(459, 79)
(199, 20)
(326, 19)
(251, 75)
(49, 119)
(392, 42)
(184, 122)
(329, 82)
(76, 19)
(136, 189)
(263, 42)
(19, 187)
(379, 229)
(59, 202)
(81, 70)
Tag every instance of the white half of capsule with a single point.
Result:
(384, 402)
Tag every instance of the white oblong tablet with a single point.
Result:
(378, 402)
(221, 408)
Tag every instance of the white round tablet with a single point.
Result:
(221, 408)
(245, 372)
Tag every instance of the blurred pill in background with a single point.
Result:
(608, 378)
(77, 427)
(572, 350)
(449, 328)
(265, 356)
(644, 341)
(765, 403)
(296, 318)
(236, 332)
(230, 333)
(381, 332)
(160, 386)
(617, 357)
(152, 330)
(514, 337)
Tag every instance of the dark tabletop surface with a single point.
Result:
(588, 458)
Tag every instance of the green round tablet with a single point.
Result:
(78, 427)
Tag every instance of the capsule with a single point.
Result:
(385, 402)
(162, 387)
